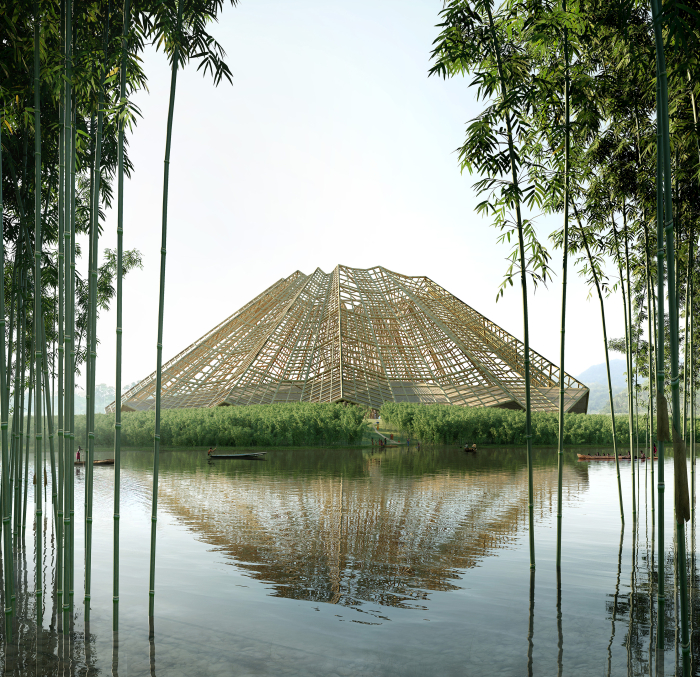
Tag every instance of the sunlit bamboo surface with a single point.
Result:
(359, 336)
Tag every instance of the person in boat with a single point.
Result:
(77, 455)
(211, 451)
(655, 450)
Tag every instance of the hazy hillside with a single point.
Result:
(596, 379)
(597, 374)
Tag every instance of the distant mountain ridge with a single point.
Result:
(598, 374)
(596, 378)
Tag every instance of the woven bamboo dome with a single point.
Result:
(359, 336)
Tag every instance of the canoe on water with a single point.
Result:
(585, 457)
(105, 461)
(256, 455)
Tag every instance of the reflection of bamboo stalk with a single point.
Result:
(630, 620)
(675, 596)
(531, 625)
(617, 593)
(560, 630)
(152, 644)
(650, 560)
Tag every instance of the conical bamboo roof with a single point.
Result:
(360, 336)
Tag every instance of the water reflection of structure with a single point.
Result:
(380, 538)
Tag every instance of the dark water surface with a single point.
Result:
(348, 562)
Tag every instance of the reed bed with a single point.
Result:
(279, 425)
(444, 424)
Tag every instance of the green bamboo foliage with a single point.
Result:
(37, 311)
(565, 254)
(120, 248)
(161, 303)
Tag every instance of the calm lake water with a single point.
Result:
(348, 562)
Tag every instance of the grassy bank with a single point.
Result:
(444, 424)
(281, 425)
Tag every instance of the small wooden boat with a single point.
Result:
(469, 450)
(255, 455)
(104, 461)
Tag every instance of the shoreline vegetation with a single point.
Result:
(445, 424)
(300, 424)
(303, 424)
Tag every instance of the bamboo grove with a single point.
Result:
(590, 116)
(68, 72)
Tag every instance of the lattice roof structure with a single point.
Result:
(359, 336)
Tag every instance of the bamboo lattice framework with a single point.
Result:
(359, 336)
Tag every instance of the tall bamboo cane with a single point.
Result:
(691, 382)
(120, 231)
(630, 370)
(161, 303)
(69, 346)
(567, 134)
(607, 360)
(62, 210)
(523, 284)
(628, 361)
(650, 305)
(8, 559)
(93, 323)
(679, 463)
(660, 376)
(37, 311)
(19, 403)
(69, 422)
(49, 419)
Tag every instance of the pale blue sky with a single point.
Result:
(331, 146)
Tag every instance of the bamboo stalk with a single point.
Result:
(32, 387)
(161, 303)
(628, 350)
(49, 422)
(567, 135)
(8, 559)
(64, 145)
(661, 588)
(673, 314)
(90, 418)
(69, 418)
(69, 346)
(650, 305)
(37, 315)
(118, 410)
(523, 284)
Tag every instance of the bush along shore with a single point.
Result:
(445, 424)
(281, 425)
